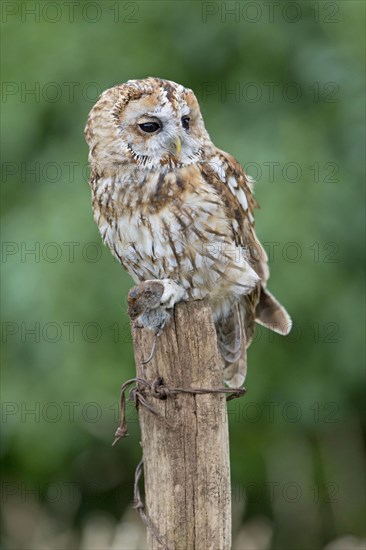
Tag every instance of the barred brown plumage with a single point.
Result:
(174, 208)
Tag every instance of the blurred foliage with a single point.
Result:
(281, 93)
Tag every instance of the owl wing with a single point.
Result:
(268, 311)
(239, 187)
(235, 332)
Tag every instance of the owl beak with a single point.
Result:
(177, 145)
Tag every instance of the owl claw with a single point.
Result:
(173, 293)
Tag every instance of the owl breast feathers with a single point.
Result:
(171, 206)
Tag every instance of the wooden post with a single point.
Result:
(186, 457)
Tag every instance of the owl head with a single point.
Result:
(149, 123)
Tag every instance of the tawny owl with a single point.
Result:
(178, 214)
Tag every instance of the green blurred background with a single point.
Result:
(281, 88)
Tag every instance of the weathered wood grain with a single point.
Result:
(186, 456)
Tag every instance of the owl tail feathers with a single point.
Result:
(235, 373)
(271, 314)
(232, 345)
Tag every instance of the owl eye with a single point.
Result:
(150, 127)
(185, 122)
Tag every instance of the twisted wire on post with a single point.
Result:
(159, 390)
